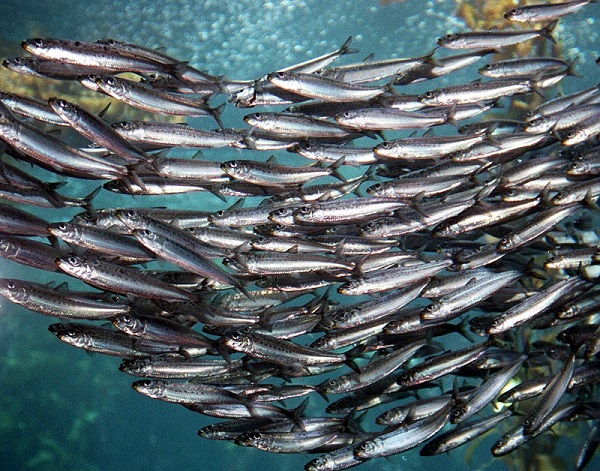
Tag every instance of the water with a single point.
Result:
(62, 409)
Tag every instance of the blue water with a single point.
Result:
(62, 409)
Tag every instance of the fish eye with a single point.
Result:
(145, 383)
(17, 60)
(235, 336)
(304, 210)
(77, 43)
(280, 75)
(220, 213)
(110, 81)
(71, 333)
(62, 226)
(11, 285)
(39, 42)
(232, 164)
(73, 260)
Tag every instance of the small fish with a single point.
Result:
(149, 99)
(545, 12)
(121, 279)
(52, 302)
(553, 393)
(463, 434)
(402, 439)
(93, 55)
(494, 39)
(280, 352)
(324, 88)
(97, 130)
(532, 307)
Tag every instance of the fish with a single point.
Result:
(52, 302)
(281, 352)
(120, 279)
(545, 12)
(494, 39)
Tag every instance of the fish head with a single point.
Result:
(144, 235)
(37, 46)
(151, 388)
(74, 336)
(22, 65)
(580, 167)
(539, 125)
(334, 386)
(431, 97)
(575, 136)
(405, 378)
(75, 266)
(369, 449)
(376, 190)
(280, 215)
(62, 107)
(279, 77)
(508, 242)
(450, 39)
(255, 119)
(130, 218)
(112, 86)
(137, 367)
(515, 14)
(304, 213)
(345, 318)
(7, 248)
(14, 290)
(458, 412)
(129, 324)
(238, 341)
(234, 168)
(322, 463)
(89, 81)
(260, 440)
(64, 230)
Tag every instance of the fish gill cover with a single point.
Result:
(290, 238)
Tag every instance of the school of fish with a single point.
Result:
(388, 280)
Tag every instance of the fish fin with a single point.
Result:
(237, 205)
(335, 166)
(369, 58)
(546, 31)
(216, 114)
(104, 110)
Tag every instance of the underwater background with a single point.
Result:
(63, 409)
